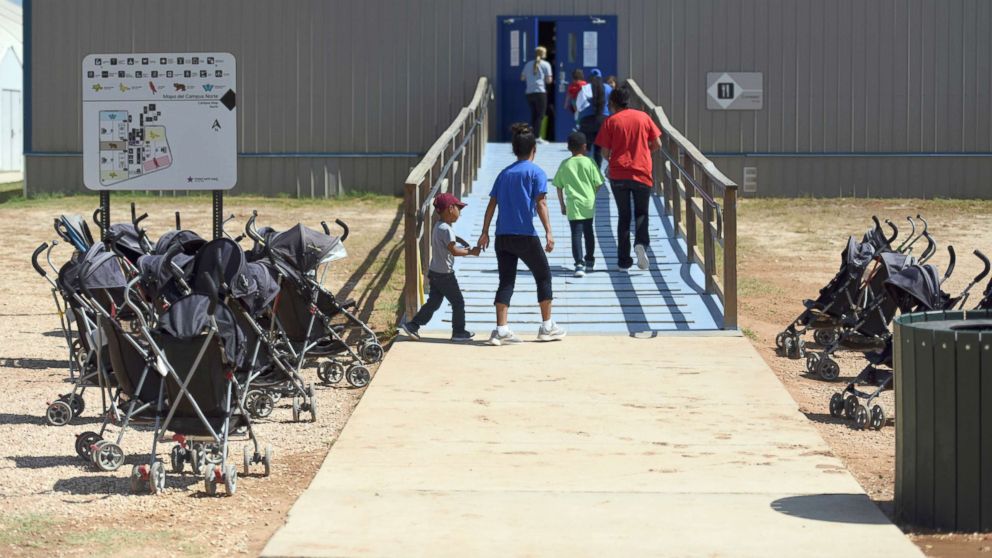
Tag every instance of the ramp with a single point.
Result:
(593, 446)
(669, 296)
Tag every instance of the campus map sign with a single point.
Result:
(159, 121)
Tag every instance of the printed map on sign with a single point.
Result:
(159, 121)
(129, 149)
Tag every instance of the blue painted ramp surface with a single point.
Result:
(668, 296)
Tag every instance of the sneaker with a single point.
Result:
(495, 339)
(553, 334)
(589, 265)
(462, 336)
(411, 329)
(580, 271)
(642, 256)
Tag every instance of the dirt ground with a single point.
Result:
(789, 249)
(53, 503)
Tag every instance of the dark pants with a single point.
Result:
(589, 126)
(538, 106)
(443, 286)
(625, 192)
(511, 248)
(582, 228)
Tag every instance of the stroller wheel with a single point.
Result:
(231, 480)
(372, 352)
(812, 360)
(296, 409)
(156, 477)
(877, 418)
(59, 413)
(210, 480)
(263, 406)
(825, 337)
(108, 457)
(178, 458)
(267, 459)
(780, 341)
(827, 368)
(136, 482)
(836, 405)
(76, 402)
(330, 372)
(358, 376)
(851, 405)
(861, 417)
(197, 459)
(84, 443)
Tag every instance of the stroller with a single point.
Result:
(86, 367)
(199, 350)
(311, 321)
(917, 288)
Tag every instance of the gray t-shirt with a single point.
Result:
(441, 259)
(536, 82)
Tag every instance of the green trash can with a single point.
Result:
(943, 384)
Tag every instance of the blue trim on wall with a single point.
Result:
(26, 87)
(825, 154)
(288, 155)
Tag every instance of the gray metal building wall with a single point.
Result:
(907, 80)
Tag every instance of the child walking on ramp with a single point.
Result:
(578, 179)
(441, 272)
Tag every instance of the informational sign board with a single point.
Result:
(159, 121)
(734, 91)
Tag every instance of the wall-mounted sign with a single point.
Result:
(159, 121)
(734, 91)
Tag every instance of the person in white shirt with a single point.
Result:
(538, 75)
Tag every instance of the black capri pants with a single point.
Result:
(512, 248)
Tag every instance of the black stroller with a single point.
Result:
(199, 348)
(312, 322)
(917, 288)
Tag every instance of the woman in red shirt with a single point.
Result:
(627, 139)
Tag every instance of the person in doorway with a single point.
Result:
(627, 138)
(441, 272)
(520, 192)
(578, 82)
(593, 109)
(611, 81)
(537, 74)
(578, 179)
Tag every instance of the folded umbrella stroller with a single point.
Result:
(312, 321)
(916, 288)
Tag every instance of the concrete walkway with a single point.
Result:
(593, 446)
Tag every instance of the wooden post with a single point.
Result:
(689, 176)
(411, 297)
(730, 256)
(709, 250)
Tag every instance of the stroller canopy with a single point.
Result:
(189, 240)
(99, 269)
(257, 251)
(189, 317)
(917, 288)
(305, 249)
(857, 255)
(158, 279)
(126, 241)
(262, 287)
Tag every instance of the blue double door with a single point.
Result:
(573, 42)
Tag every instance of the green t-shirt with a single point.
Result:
(580, 178)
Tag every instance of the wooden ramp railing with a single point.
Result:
(700, 200)
(450, 165)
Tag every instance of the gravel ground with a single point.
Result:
(789, 249)
(51, 502)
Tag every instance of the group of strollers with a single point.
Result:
(194, 339)
(877, 280)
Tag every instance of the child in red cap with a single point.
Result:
(441, 272)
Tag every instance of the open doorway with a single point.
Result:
(572, 42)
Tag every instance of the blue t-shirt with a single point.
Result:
(516, 191)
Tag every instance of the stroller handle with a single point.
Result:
(250, 228)
(930, 249)
(878, 224)
(134, 219)
(985, 262)
(951, 264)
(343, 226)
(97, 217)
(178, 222)
(34, 259)
(895, 232)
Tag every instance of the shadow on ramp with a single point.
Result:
(835, 508)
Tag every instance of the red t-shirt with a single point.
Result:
(574, 87)
(627, 134)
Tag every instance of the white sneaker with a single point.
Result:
(642, 256)
(553, 334)
(580, 271)
(495, 339)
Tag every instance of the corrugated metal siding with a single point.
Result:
(380, 75)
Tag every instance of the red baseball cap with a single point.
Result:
(443, 201)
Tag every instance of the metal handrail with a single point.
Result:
(450, 165)
(687, 175)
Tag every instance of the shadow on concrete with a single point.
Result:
(378, 283)
(33, 363)
(835, 508)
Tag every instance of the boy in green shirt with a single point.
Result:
(578, 178)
